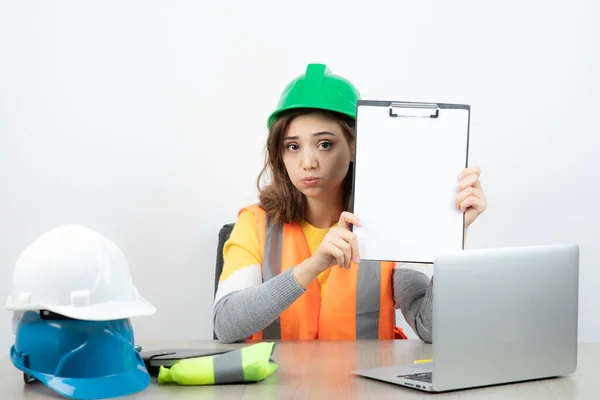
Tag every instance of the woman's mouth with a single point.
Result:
(310, 181)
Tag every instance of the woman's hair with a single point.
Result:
(280, 199)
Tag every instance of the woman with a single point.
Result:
(292, 269)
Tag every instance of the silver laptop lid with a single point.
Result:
(504, 315)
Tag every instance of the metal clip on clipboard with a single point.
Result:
(413, 110)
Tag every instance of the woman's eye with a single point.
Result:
(326, 145)
(292, 147)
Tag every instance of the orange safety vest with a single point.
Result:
(358, 303)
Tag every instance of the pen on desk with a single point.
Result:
(427, 360)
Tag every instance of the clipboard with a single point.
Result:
(407, 160)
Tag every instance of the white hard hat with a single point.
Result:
(76, 272)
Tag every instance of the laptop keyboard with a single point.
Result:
(421, 377)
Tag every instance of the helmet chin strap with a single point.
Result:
(16, 320)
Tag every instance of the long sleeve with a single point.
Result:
(413, 294)
(240, 314)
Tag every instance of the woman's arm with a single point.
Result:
(239, 314)
(413, 294)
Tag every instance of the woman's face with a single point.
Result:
(316, 155)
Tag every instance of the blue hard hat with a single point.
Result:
(79, 359)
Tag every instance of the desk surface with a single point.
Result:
(322, 370)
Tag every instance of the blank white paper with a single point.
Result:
(406, 181)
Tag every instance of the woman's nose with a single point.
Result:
(308, 160)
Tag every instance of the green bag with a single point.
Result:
(249, 364)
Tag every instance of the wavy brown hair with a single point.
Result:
(280, 199)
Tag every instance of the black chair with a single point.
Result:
(224, 234)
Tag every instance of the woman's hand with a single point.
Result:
(470, 199)
(338, 247)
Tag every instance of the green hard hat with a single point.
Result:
(321, 89)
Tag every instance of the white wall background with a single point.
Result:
(145, 121)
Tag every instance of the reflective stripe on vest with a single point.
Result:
(228, 367)
(271, 267)
(367, 300)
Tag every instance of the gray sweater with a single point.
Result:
(240, 314)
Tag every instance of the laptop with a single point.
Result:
(500, 316)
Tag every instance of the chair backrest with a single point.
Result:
(224, 234)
